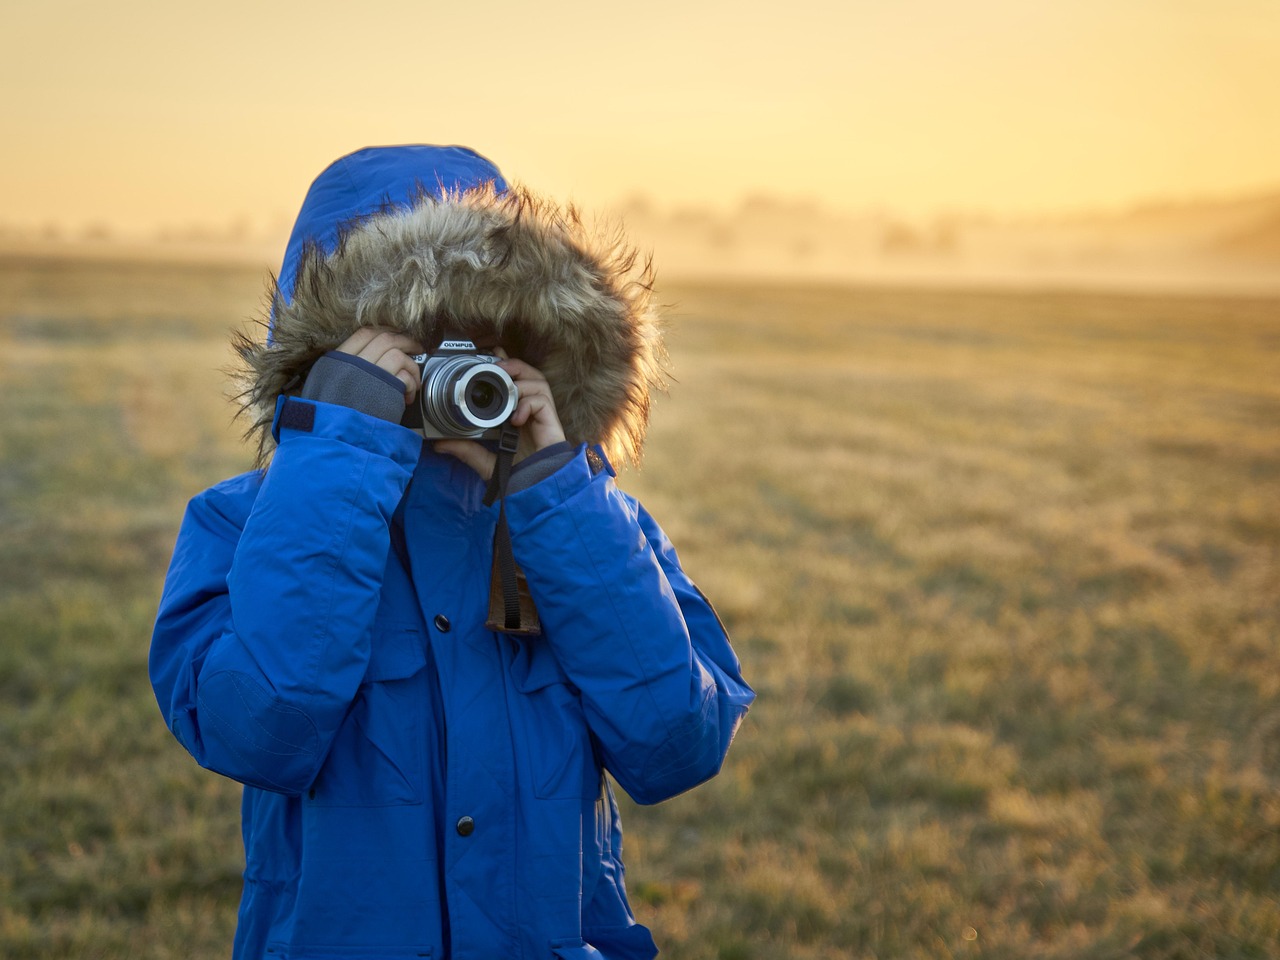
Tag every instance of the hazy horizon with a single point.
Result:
(246, 226)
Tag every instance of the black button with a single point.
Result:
(466, 826)
(442, 623)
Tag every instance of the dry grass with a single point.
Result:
(1003, 568)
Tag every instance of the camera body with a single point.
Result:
(464, 393)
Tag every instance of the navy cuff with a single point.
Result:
(368, 367)
(540, 465)
(349, 381)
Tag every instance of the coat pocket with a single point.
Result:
(377, 756)
(559, 747)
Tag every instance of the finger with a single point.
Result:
(408, 372)
(535, 388)
(523, 372)
(531, 382)
(372, 343)
(500, 353)
(357, 341)
(385, 341)
(539, 392)
(536, 416)
(532, 407)
(390, 351)
(471, 453)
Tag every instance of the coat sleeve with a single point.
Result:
(263, 633)
(661, 687)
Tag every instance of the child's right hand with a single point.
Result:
(390, 350)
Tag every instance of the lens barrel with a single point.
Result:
(463, 396)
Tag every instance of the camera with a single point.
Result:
(464, 393)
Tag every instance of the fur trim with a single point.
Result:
(572, 302)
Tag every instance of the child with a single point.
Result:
(424, 775)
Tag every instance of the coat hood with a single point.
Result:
(432, 240)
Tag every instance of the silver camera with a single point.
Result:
(464, 393)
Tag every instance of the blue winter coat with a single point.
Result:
(415, 784)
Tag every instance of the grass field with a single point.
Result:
(1003, 567)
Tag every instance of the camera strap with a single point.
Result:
(511, 608)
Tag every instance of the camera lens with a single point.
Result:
(482, 395)
(464, 395)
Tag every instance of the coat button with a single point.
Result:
(466, 826)
(442, 623)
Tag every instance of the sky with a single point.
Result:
(139, 115)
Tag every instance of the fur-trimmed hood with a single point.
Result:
(431, 240)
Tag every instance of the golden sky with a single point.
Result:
(140, 115)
